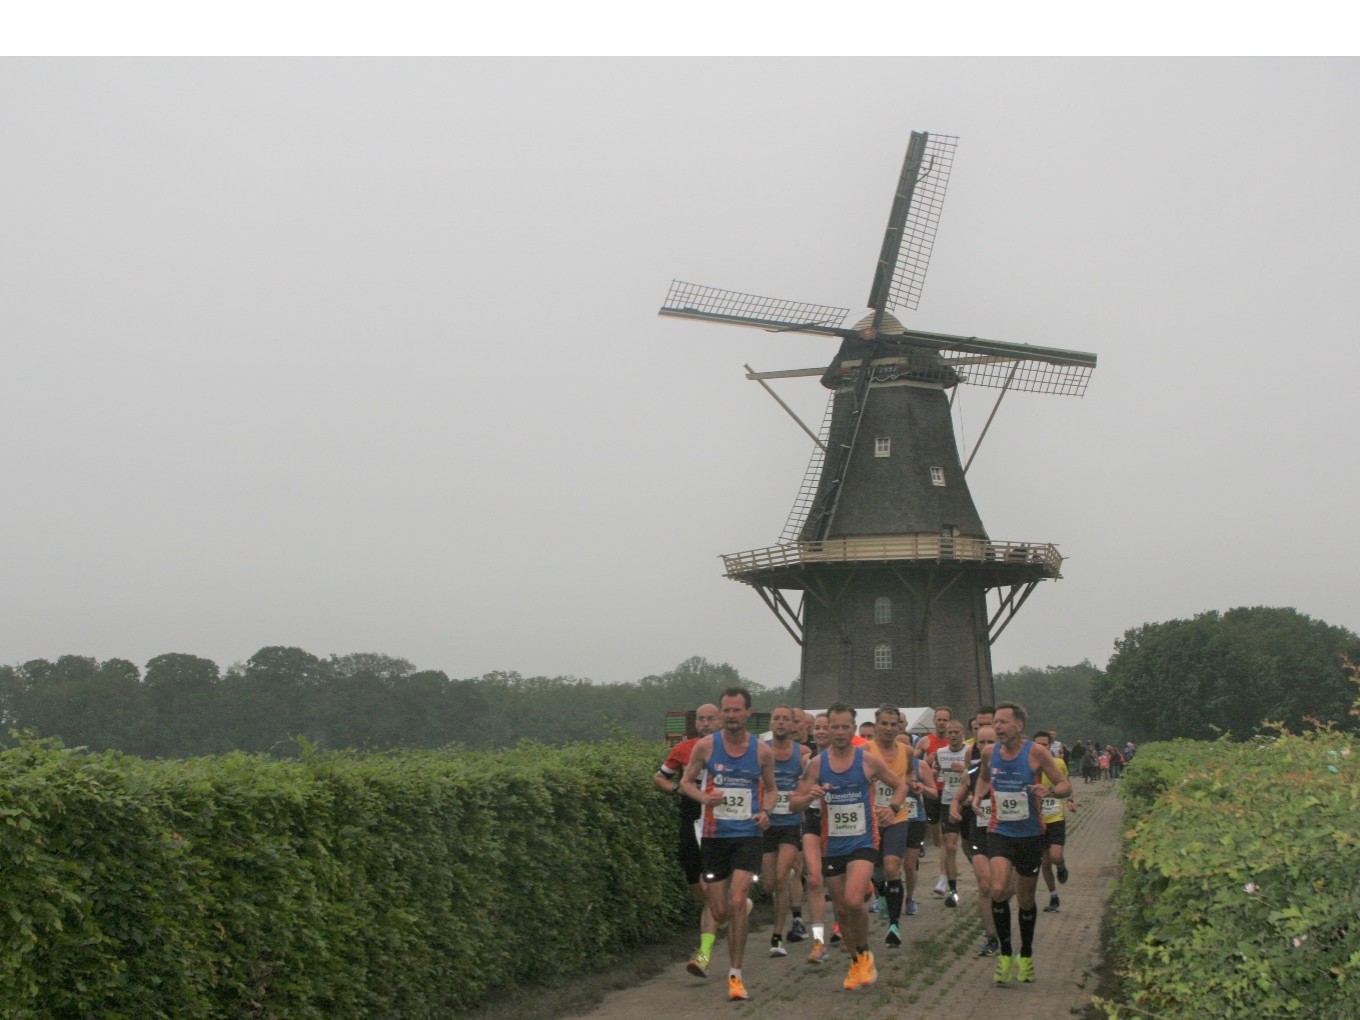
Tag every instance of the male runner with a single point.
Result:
(1011, 775)
(812, 852)
(667, 780)
(842, 777)
(973, 828)
(895, 841)
(950, 764)
(926, 748)
(802, 735)
(1055, 829)
(783, 837)
(737, 796)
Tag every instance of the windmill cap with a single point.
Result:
(890, 323)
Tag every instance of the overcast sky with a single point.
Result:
(364, 355)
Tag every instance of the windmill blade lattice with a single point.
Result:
(913, 221)
(712, 304)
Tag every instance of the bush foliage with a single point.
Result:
(335, 885)
(1238, 898)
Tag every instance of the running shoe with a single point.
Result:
(1004, 966)
(941, 885)
(835, 933)
(868, 973)
(1054, 904)
(819, 952)
(894, 937)
(1062, 873)
(852, 977)
(879, 906)
(698, 966)
(777, 946)
(796, 931)
(909, 908)
(952, 900)
(1026, 968)
(735, 989)
(991, 947)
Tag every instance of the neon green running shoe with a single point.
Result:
(1026, 968)
(1004, 965)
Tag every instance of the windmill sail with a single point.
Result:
(912, 222)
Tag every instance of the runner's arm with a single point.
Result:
(689, 781)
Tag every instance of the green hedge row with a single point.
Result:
(1239, 895)
(410, 885)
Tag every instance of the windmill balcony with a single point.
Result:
(1012, 561)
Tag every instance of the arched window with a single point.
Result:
(883, 609)
(883, 655)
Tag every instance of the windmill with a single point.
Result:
(884, 573)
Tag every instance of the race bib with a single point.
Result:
(781, 803)
(1049, 807)
(883, 795)
(983, 810)
(1012, 807)
(953, 782)
(846, 819)
(735, 806)
(918, 810)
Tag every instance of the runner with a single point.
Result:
(973, 819)
(783, 837)
(667, 780)
(802, 734)
(950, 764)
(1055, 829)
(902, 837)
(925, 748)
(1015, 841)
(842, 776)
(812, 852)
(737, 796)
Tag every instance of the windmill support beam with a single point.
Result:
(751, 374)
(995, 406)
(783, 612)
(1010, 606)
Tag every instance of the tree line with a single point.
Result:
(183, 705)
(1217, 673)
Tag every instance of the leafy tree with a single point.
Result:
(266, 701)
(1227, 673)
(78, 699)
(181, 700)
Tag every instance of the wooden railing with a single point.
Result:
(895, 547)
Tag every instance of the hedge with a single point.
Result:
(411, 885)
(1239, 894)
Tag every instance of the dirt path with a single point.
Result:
(937, 970)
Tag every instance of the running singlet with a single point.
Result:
(1052, 807)
(1014, 811)
(951, 781)
(848, 824)
(883, 793)
(738, 778)
(786, 776)
(674, 767)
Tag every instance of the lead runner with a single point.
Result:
(1015, 840)
(738, 795)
